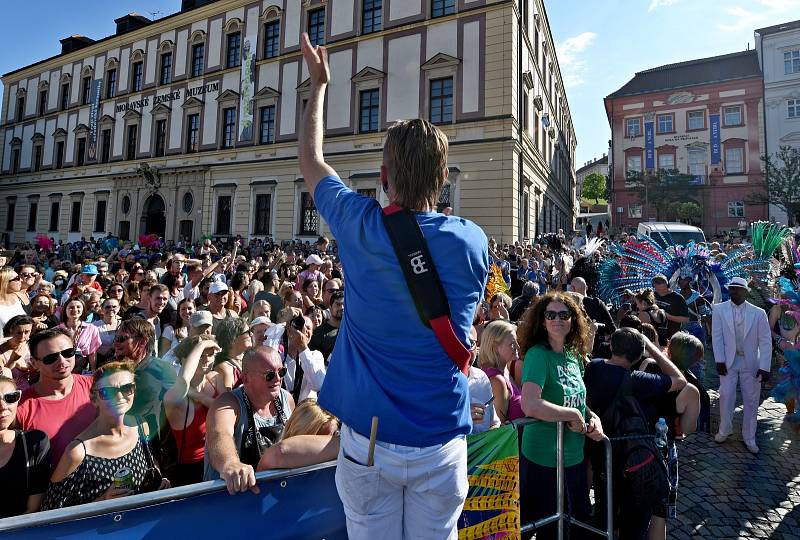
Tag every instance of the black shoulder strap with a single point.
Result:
(28, 463)
(423, 281)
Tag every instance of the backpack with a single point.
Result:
(639, 467)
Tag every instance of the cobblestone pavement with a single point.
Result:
(726, 492)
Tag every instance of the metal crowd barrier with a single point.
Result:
(561, 516)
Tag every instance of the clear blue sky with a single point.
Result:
(601, 43)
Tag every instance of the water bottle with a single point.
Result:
(661, 433)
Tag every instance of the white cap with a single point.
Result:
(314, 259)
(217, 287)
(260, 320)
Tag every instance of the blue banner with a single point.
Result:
(716, 146)
(649, 146)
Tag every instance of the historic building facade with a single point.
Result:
(700, 118)
(187, 125)
(779, 53)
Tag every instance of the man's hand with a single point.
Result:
(239, 478)
(722, 369)
(762, 375)
(316, 57)
(297, 339)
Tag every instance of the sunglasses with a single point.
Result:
(27, 275)
(269, 376)
(11, 397)
(16, 278)
(107, 393)
(53, 357)
(563, 315)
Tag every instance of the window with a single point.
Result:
(37, 157)
(736, 209)
(272, 34)
(86, 90)
(166, 68)
(188, 202)
(136, 76)
(666, 162)
(525, 100)
(198, 59)
(229, 127)
(267, 125)
(20, 108)
(666, 123)
(42, 102)
(794, 108)
(100, 216)
(309, 217)
(133, 135)
(316, 26)
(697, 162)
(75, 217)
(635, 211)
(161, 139)
(80, 157)
(440, 8)
(55, 210)
(262, 217)
(370, 107)
(105, 152)
(526, 229)
(111, 84)
(791, 62)
(193, 133)
(734, 160)
(371, 16)
(224, 215)
(33, 215)
(442, 100)
(696, 120)
(234, 49)
(633, 127)
(10, 217)
(59, 154)
(733, 116)
(15, 161)
(124, 230)
(368, 192)
(634, 163)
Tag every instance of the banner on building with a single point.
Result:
(491, 510)
(716, 145)
(94, 111)
(649, 146)
(248, 75)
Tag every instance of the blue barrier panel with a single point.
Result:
(301, 503)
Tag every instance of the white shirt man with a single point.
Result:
(743, 354)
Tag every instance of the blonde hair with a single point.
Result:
(5, 278)
(415, 156)
(109, 368)
(308, 418)
(491, 339)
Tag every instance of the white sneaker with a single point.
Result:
(751, 447)
(720, 438)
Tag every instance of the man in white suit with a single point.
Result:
(743, 353)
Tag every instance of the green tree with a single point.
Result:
(781, 181)
(594, 187)
(663, 190)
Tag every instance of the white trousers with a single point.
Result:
(410, 493)
(745, 376)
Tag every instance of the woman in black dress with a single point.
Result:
(24, 458)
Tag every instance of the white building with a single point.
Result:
(779, 54)
(589, 213)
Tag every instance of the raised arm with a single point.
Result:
(309, 153)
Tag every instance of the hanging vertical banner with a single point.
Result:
(491, 510)
(94, 111)
(716, 146)
(649, 146)
(248, 77)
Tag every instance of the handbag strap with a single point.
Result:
(423, 281)
(28, 465)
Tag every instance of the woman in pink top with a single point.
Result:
(85, 336)
(499, 349)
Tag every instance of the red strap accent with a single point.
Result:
(392, 209)
(638, 466)
(458, 353)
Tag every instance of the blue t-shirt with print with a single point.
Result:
(386, 363)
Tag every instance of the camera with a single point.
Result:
(298, 323)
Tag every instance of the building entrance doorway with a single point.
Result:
(154, 218)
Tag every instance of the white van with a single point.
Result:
(677, 233)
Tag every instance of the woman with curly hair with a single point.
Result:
(554, 339)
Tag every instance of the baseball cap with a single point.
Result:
(739, 282)
(314, 259)
(89, 269)
(217, 287)
(201, 318)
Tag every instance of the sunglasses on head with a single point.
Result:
(11, 397)
(269, 376)
(563, 315)
(107, 393)
(53, 357)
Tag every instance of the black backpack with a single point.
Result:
(639, 467)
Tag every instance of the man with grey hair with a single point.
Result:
(598, 312)
(521, 303)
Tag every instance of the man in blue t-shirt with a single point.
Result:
(386, 362)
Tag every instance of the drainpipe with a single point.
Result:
(520, 94)
(764, 117)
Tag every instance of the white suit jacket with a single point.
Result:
(757, 336)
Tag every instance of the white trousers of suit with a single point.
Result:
(745, 375)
